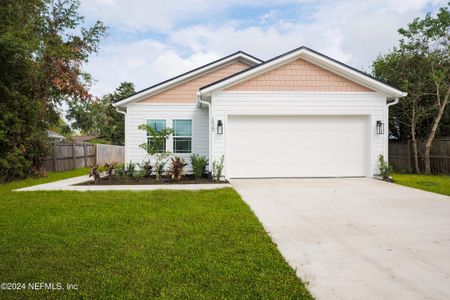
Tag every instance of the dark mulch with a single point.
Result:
(118, 180)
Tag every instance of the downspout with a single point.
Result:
(386, 142)
(120, 111)
(199, 98)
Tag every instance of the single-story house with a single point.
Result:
(300, 114)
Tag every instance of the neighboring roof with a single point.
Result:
(314, 57)
(240, 55)
(54, 135)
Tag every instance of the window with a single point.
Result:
(158, 125)
(182, 136)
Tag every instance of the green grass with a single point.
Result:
(141, 245)
(432, 183)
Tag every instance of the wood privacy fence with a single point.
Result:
(401, 156)
(64, 157)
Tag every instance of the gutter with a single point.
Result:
(120, 111)
(201, 102)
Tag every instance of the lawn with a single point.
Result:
(158, 244)
(432, 183)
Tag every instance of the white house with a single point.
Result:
(300, 114)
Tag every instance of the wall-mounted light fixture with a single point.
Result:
(219, 127)
(380, 127)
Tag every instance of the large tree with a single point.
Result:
(98, 117)
(43, 45)
(421, 66)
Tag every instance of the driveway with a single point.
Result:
(357, 238)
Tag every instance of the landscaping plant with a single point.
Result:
(130, 169)
(199, 164)
(176, 169)
(156, 147)
(120, 170)
(110, 169)
(94, 172)
(146, 168)
(385, 168)
(217, 168)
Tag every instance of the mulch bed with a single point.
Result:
(117, 180)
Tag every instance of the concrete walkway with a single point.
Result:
(68, 185)
(357, 238)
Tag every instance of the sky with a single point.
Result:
(150, 41)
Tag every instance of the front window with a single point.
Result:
(158, 125)
(182, 136)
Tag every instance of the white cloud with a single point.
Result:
(354, 33)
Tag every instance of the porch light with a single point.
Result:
(219, 127)
(380, 127)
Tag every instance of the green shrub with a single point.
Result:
(217, 168)
(385, 168)
(199, 164)
(130, 169)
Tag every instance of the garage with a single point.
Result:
(297, 146)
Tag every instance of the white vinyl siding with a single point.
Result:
(139, 114)
(371, 105)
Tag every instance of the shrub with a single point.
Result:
(130, 169)
(110, 168)
(385, 168)
(94, 172)
(146, 168)
(199, 164)
(159, 169)
(120, 170)
(176, 169)
(217, 168)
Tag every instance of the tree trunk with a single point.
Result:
(415, 149)
(430, 138)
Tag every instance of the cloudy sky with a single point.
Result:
(150, 41)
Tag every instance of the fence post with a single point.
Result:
(54, 156)
(74, 154)
(409, 157)
(85, 154)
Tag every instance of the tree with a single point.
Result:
(155, 147)
(420, 65)
(98, 117)
(42, 46)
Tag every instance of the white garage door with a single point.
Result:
(297, 146)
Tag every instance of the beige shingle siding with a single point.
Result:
(186, 92)
(299, 75)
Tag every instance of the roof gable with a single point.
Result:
(157, 88)
(312, 57)
(298, 75)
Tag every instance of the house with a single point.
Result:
(300, 114)
(54, 136)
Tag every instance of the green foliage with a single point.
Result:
(158, 141)
(420, 65)
(217, 168)
(199, 164)
(120, 170)
(176, 169)
(130, 169)
(43, 45)
(385, 168)
(98, 117)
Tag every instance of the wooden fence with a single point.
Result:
(64, 157)
(401, 156)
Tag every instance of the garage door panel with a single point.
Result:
(313, 146)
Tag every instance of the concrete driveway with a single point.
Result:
(357, 238)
